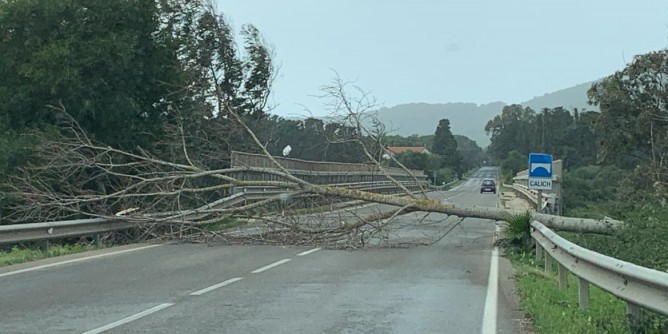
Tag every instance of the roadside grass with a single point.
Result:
(459, 182)
(223, 224)
(23, 254)
(557, 311)
(307, 211)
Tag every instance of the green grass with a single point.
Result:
(459, 182)
(506, 189)
(223, 224)
(555, 311)
(21, 255)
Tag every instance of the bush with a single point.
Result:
(444, 175)
(517, 235)
(592, 191)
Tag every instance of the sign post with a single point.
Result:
(540, 175)
(539, 201)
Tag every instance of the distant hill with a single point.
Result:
(466, 119)
(573, 97)
(469, 119)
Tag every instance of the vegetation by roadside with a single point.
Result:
(557, 311)
(27, 253)
(23, 254)
(223, 224)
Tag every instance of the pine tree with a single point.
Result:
(445, 146)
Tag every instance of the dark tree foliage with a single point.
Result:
(566, 135)
(445, 146)
(98, 59)
(472, 155)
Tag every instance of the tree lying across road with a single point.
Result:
(155, 135)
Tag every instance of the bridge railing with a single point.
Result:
(242, 159)
(551, 202)
(531, 196)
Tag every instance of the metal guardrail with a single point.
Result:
(532, 196)
(94, 226)
(637, 286)
(61, 229)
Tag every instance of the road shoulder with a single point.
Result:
(508, 291)
(71, 258)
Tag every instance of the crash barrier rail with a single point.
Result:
(242, 159)
(46, 231)
(325, 177)
(320, 172)
(532, 197)
(638, 286)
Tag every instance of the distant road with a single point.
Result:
(188, 288)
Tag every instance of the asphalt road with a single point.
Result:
(187, 288)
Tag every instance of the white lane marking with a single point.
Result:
(309, 251)
(129, 319)
(267, 267)
(489, 316)
(75, 260)
(216, 286)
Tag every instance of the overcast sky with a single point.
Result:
(448, 51)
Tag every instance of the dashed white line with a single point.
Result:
(267, 267)
(489, 315)
(216, 286)
(75, 260)
(309, 251)
(129, 319)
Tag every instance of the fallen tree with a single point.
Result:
(77, 177)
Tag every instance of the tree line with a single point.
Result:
(614, 159)
(450, 155)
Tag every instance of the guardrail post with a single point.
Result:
(583, 293)
(632, 313)
(97, 240)
(563, 277)
(44, 245)
(539, 201)
(539, 252)
(548, 262)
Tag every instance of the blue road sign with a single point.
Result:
(540, 165)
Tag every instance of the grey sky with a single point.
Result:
(448, 51)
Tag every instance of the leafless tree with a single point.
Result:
(76, 176)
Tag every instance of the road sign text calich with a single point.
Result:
(540, 171)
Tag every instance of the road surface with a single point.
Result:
(186, 288)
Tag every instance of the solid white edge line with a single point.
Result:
(309, 251)
(75, 260)
(216, 286)
(277, 263)
(490, 313)
(129, 319)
